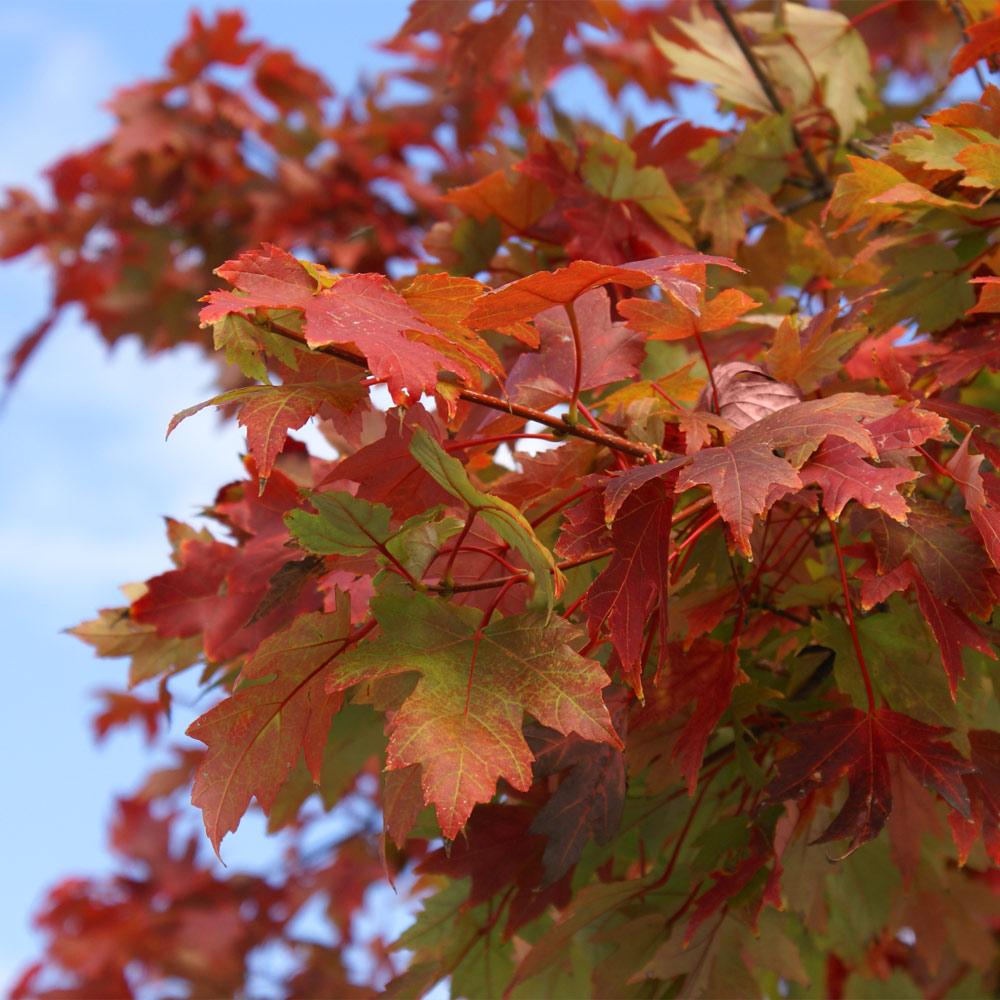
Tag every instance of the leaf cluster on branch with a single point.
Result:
(643, 628)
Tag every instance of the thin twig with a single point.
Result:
(577, 360)
(820, 180)
(711, 372)
(851, 624)
(790, 208)
(963, 23)
(612, 441)
(469, 518)
(501, 581)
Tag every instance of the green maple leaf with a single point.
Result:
(462, 722)
(345, 525)
(351, 526)
(610, 169)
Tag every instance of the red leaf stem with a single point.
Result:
(849, 609)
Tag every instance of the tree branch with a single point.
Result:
(561, 424)
(963, 23)
(820, 181)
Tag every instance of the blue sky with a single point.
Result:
(86, 473)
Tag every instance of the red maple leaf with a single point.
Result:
(947, 569)
(462, 722)
(635, 580)
(590, 798)
(217, 587)
(845, 472)
(269, 412)
(759, 465)
(279, 709)
(983, 41)
(500, 849)
(610, 353)
(729, 883)
(855, 744)
(983, 784)
(982, 496)
(359, 310)
(527, 297)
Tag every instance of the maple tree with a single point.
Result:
(645, 632)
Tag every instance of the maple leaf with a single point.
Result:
(122, 709)
(703, 676)
(280, 708)
(728, 884)
(545, 49)
(360, 310)
(269, 412)
(982, 496)
(402, 800)
(590, 798)
(517, 201)
(857, 744)
(506, 520)
(854, 194)
(217, 588)
(585, 529)
(462, 723)
(812, 52)
(182, 602)
(526, 297)
(844, 473)
(499, 848)
(609, 167)
(386, 471)
(809, 357)
(243, 344)
(351, 526)
(954, 631)
(669, 320)
(745, 393)
(444, 301)
(343, 524)
(950, 565)
(983, 785)
(947, 570)
(746, 477)
(635, 580)
(983, 39)
(114, 633)
(609, 353)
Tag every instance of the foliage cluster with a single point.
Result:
(645, 628)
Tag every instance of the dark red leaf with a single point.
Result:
(855, 744)
(635, 581)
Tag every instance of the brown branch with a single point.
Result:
(963, 23)
(612, 441)
(561, 424)
(820, 181)
(789, 209)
